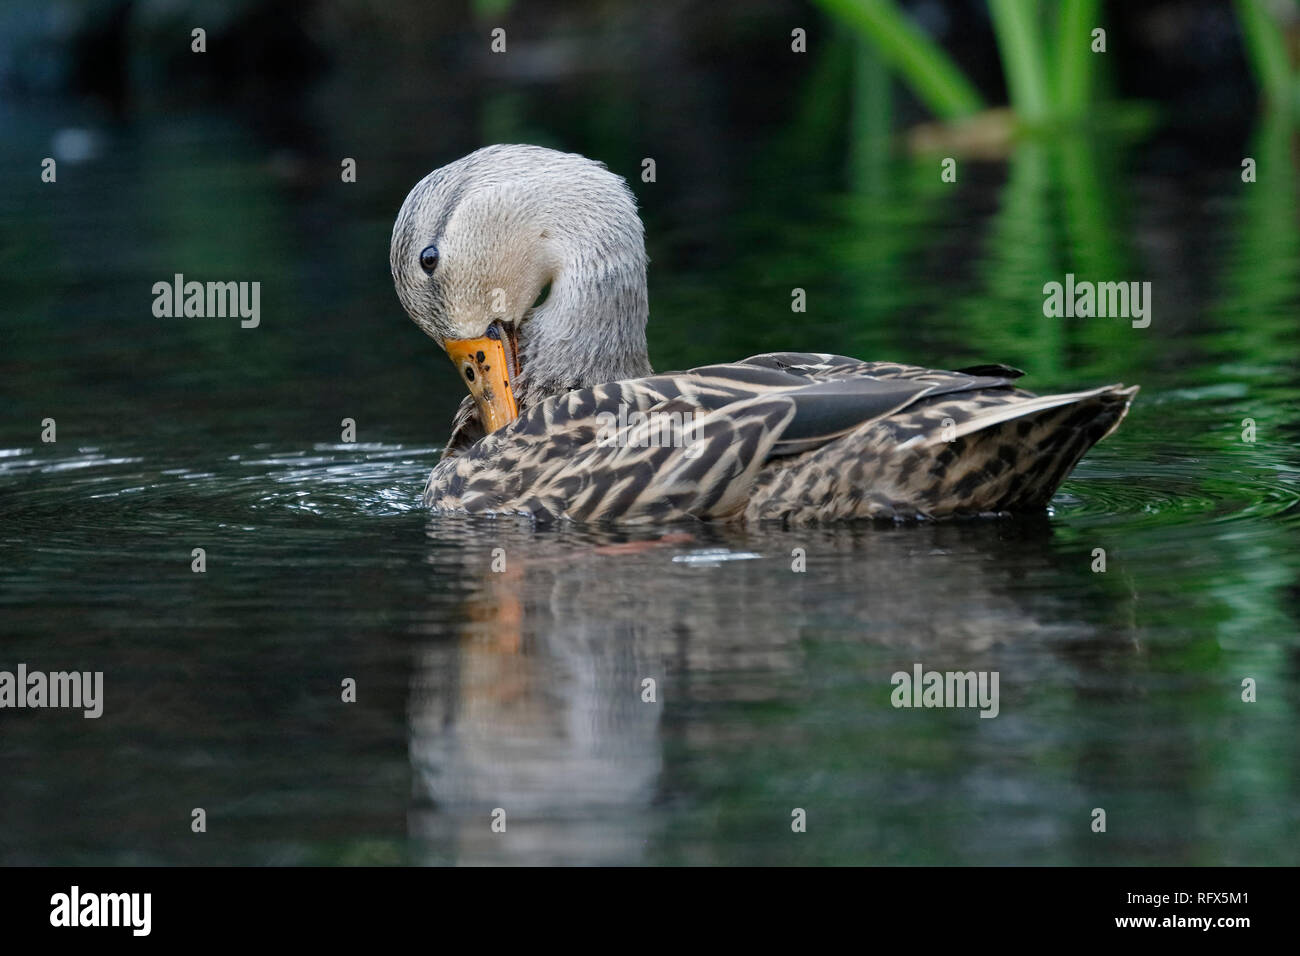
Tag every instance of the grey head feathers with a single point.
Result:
(512, 222)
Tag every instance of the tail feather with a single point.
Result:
(1015, 458)
(1010, 452)
(1029, 407)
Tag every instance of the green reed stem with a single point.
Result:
(1021, 43)
(921, 63)
(1266, 50)
(1074, 56)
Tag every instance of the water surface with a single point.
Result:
(522, 688)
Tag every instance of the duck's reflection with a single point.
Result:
(539, 709)
(539, 706)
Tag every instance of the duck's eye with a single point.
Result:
(429, 259)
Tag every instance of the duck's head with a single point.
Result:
(527, 266)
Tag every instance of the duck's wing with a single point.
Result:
(836, 394)
(685, 444)
(823, 367)
(825, 412)
(970, 443)
(982, 451)
(594, 455)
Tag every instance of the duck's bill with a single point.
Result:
(485, 369)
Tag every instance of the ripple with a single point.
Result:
(1178, 493)
(327, 480)
(376, 479)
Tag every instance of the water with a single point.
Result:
(522, 688)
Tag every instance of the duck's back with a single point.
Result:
(794, 436)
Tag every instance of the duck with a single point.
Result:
(527, 266)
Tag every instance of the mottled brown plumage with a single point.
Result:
(784, 436)
(801, 437)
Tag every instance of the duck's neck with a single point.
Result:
(591, 328)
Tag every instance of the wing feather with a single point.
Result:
(601, 454)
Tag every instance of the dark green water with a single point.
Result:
(522, 689)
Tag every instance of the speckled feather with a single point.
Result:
(885, 455)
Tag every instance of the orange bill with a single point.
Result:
(483, 366)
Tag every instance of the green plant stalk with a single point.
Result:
(870, 119)
(1020, 41)
(923, 65)
(1266, 50)
(1005, 316)
(1074, 56)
